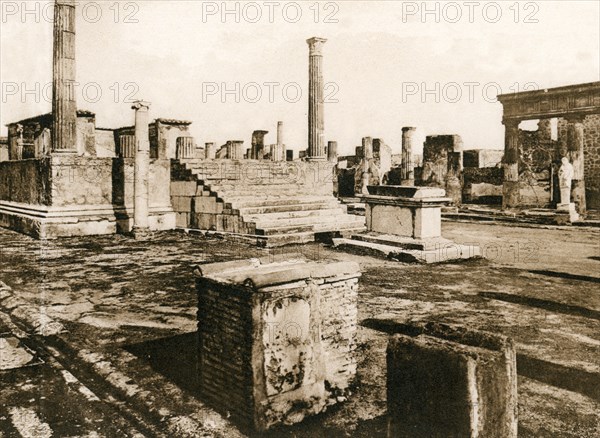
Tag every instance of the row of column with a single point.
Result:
(575, 154)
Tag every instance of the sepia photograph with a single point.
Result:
(299, 219)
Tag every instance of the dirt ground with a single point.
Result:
(129, 307)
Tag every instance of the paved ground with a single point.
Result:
(124, 362)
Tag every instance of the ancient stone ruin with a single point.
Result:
(276, 341)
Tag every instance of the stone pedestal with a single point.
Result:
(276, 341)
(444, 381)
(404, 223)
(566, 213)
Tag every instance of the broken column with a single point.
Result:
(210, 151)
(258, 145)
(64, 106)
(316, 118)
(276, 341)
(445, 381)
(510, 188)
(127, 146)
(19, 155)
(235, 149)
(575, 146)
(332, 151)
(408, 170)
(184, 148)
(142, 166)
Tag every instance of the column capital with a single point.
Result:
(511, 123)
(316, 45)
(140, 105)
(409, 129)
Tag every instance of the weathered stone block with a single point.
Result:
(451, 383)
(183, 188)
(277, 341)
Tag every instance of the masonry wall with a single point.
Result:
(26, 181)
(591, 133)
(81, 181)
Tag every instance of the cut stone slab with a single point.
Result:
(446, 381)
(451, 252)
(277, 341)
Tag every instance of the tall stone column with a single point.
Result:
(367, 143)
(407, 173)
(235, 149)
(280, 133)
(510, 190)
(64, 106)
(142, 167)
(575, 147)
(316, 118)
(332, 151)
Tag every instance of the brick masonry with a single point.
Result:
(277, 342)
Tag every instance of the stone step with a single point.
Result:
(287, 208)
(303, 220)
(249, 201)
(335, 224)
(260, 192)
(266, 217)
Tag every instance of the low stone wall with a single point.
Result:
(276, 341)
(26, 181)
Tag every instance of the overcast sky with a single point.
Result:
(386, 64)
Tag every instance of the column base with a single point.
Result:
(566, 213)
(142, 233)
(511, 195)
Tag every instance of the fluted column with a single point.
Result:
(184, 148)
(316, 118)
(510, 190)
(407, 173)
(235, 150)
(367, 146)
(127, 146)
(64, 106)
(575, 146)
(142, 166)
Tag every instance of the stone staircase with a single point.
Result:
(271, 203)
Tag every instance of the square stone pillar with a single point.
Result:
(276, 341)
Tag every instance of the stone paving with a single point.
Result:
(127, 315)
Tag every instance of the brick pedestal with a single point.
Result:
(277, 341)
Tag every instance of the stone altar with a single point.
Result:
(404, 223)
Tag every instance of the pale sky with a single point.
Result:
(379, 58)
